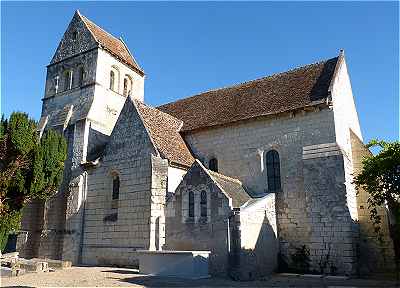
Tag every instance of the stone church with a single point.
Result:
(250, 172)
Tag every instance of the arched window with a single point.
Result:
(67, 80)
(56, 83)
(112, 80)
(115, 187)
(203, 204)
(191, 204)
(127, 86)
(273, 171)
(213, 164)
(81, 75)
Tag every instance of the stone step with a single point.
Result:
(9, 257)
(33, 266)
(54, 264)
(11, 272)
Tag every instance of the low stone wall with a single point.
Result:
(118, 256)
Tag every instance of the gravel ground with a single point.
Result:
(110, 276)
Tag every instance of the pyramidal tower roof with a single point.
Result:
(113, 45)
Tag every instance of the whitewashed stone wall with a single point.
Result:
(258, 239)
(175, 176)
(346, 119)
(240, 150)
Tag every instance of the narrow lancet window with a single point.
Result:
(213, 164)
(112, 80)
(203, 204)
(127, 86)
(68, 80)
(56, 84)
(115, 186)
(81, 75)
(191, 204)
(273, 171)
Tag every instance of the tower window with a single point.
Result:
(115, 187)
(203, 204)
(68, 80)
(74, 35)
(191, 204)
(56, 84)
(273, 171)
(112, 80)
(81, 75)
(213, 164)
(127, 86)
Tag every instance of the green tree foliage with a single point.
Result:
(380, 178)
(30, 168)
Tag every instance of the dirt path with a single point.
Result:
(110, 276)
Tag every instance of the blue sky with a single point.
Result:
(186, 48)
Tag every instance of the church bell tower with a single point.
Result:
(88, 80)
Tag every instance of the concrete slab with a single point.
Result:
(337, 277)
(312, 275)
(11, 272)
(182, 264)
(9, 257)
(288, 274)
(55, 264)
(33, 266)
(6, 272)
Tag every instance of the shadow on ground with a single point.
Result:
(18, 286)
(119, 271)
(274, 281)
(154, 281)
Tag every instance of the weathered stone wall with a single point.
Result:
(32, 219)
(76, 39)
(115, 229)
(374, 256)
(45, 221)
(199, 233)
(87, 114)
(240, 149)
(258, 239)
(333, 232)
(159, 179)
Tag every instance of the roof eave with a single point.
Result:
(140, 72)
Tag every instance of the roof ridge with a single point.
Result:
(251, 81)
(135, 104)
(91, 22)
(107, 41)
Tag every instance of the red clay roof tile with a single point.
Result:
(112, 44)
(278, 93)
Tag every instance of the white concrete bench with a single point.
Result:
(183, 264)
